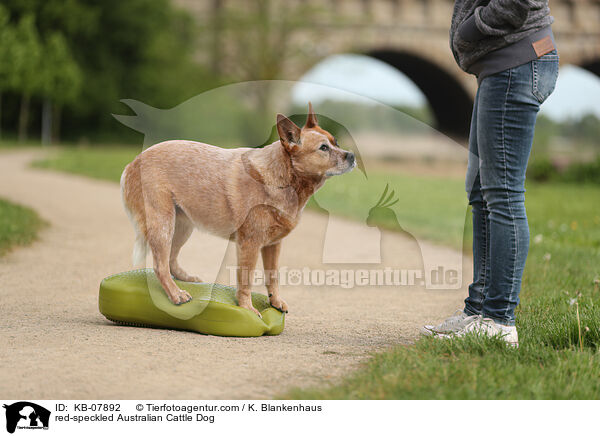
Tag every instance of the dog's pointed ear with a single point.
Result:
(311, 119)
(289, 133)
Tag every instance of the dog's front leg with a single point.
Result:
(247, 254)
(270, 255)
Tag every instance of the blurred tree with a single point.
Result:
(61, 82)
(216, 30)
(140, 49)
(587, 127)
(26, 56)
(7, 70)
(259, 39)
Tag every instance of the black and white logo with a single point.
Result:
(26, 415)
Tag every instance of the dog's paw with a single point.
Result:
(180, 298)
(252, 308)
(279, 304)
(180, 275)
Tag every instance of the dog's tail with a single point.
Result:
(140, 250)
(140, 247)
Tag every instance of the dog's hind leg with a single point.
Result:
(183, 229)
(160, 229)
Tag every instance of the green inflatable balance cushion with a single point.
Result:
(137, 298)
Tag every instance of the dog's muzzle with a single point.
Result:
(351, 163)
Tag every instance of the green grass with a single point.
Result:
(551, 362)
(563, 264)
(11, 143)
(106, 162)
(18, 226)
(469, 368)
(433, 208)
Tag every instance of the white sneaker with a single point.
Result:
(488, 327)
(450, 325)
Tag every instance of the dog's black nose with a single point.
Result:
(350, 157)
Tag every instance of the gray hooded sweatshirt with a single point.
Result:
(488, 36)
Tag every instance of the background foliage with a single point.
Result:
(86, 55)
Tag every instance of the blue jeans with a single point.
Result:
(502, 126)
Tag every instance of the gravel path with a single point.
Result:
(56, 345)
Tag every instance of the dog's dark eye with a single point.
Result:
(324, 147)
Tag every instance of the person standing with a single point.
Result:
(509, 46)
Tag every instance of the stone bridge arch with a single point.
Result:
(412, 35)
(592, 66)
(451, 104)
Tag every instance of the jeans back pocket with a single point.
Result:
(545, 74)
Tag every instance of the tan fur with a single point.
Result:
(252, 196)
